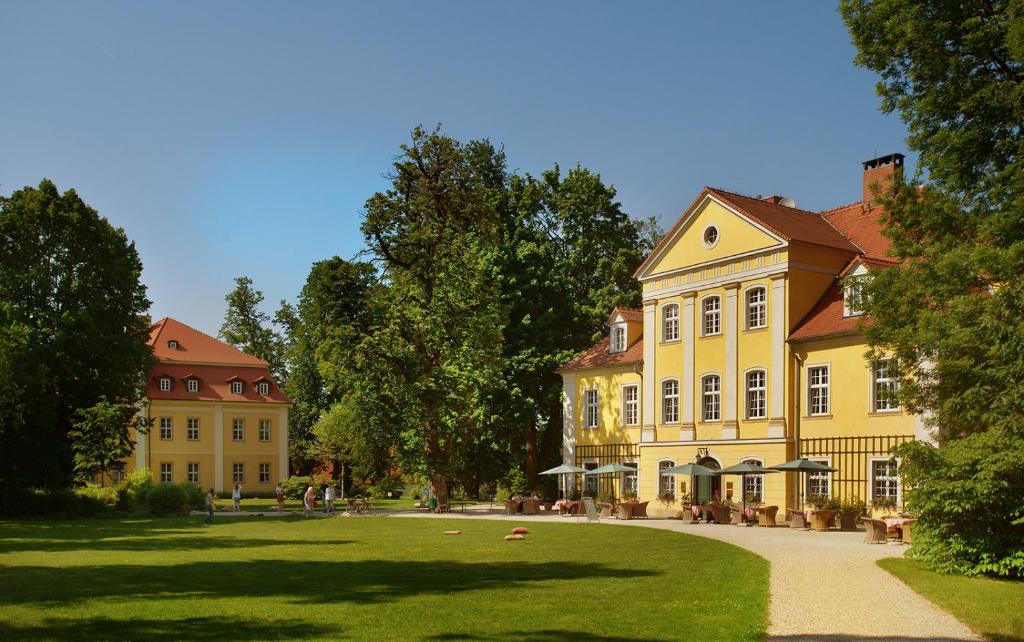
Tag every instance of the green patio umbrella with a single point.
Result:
(564, 469)
(803, 466)
(743, 469)
(693, 470)
(611, 469)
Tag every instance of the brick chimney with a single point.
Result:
(881, 170)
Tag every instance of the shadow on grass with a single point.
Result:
(153, 543)
(206, 628)
(543, 635)
(300, 582)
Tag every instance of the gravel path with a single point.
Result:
(824, 586)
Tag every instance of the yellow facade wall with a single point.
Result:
(737, 235)
(611, 428)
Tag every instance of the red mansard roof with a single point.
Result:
(628, 314)
(598, 356)
(861, 225)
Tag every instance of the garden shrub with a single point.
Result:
(295, 486)
(382, 487)
(968, 497)
(131, 492)
(515, 481)
(195, 498)
(166, 499)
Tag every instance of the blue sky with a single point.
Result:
(236, 138)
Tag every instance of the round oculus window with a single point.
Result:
(710, 236)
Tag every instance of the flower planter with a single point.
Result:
(821, 520)
(848, 520)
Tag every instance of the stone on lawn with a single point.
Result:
(510, 538)
(520, 530)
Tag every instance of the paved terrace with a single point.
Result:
(824, 586)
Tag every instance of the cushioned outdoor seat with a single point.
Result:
(876, 530)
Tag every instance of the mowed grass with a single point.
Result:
(372, 578)
(256, 504)
(993, 608)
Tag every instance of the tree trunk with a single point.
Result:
(440, 489)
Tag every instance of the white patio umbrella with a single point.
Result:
(564, 469)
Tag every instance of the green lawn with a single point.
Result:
(993, 608)
(256, 504)
(372, 578)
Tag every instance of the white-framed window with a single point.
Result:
(264, 430)
(819, 483)
(631, 405)
(172, 344)
(264, 473)
(711, 395)
(757, 308)
(193, 429)
(753, 485)
(238, 429)
(757, 394)
(236, 387)
(710, 236)
(884, 385)
(590, 409)
(238, 473)
(670, 401)
(666, 481)
(885, 480)
(854, 302)
(618, 338)
(590, 482)
(166, 428)
(630, 480)
(264, 388)
(117, 476)
(670, 323)
(192, 385)
(165, 384)
(818, 390)
(193, 473)
(166, 472)
(712, 307)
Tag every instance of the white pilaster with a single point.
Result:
(648, 432)
(687, 431)
(283, 470)
(730, 427)
(569, 425)
(777, 375)
(218, 448)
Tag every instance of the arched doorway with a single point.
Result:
(707, 487)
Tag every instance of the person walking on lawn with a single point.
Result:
(307, 502)
(209, 507)
(329, 499)
(236, 498)
(279, 492)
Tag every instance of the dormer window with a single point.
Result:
(263, 387)
(192, 385)
(165, 384)
(172, 345)
(618, 338)
(854, 298)
(236, 387)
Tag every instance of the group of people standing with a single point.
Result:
(327, 493)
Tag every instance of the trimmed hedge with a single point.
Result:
(167, 499)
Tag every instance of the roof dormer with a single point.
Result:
(625, 327)
(854, 303)
(172, 344)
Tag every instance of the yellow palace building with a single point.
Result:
(216, 415)
(747, 349)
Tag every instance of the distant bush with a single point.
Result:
(195, 498)
(131, 492)
(167, 499)
(295, 487)
(382, 487)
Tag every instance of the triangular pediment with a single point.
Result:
(691, 242)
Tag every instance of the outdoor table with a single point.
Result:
(750, 514)
(696, 510)
(896, 524)
(822, 519)
(625, 509)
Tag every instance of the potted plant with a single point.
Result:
(667, 498)
(818, 502)
(849, 510)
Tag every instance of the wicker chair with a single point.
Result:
(625, 511)
(531, 507)
(722, 514)
(640, 510)
(876, 530)
(797, 519)
(607, 509)
(512, 506)
(908, 529)
(767, 516)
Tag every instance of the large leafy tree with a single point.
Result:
(251, 330)
(436, 356)
(950, 311)
(100, 438)
(74, 327)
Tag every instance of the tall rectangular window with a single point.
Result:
(618, 339)
(264, 473)
(756, 395)
(712, 395)
(590, 408)
(757, 308)
(264, 430)
(590, 482)
(753, 485)
(166, 473)
(819, 483)
(670, 401)
(712, 315)
(885, 386)
(817, 390)
(631, 405)
(238, 473)
(166, 428)
(885, 483)
(193, 429)
(666, 481)
(629, 480)
(193, 473)
(854, 298)
(238, 429)
(670, 323)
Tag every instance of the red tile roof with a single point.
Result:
(628, 314)
(194, 346)
(597, 356)
(213, 362)
(861, 225)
